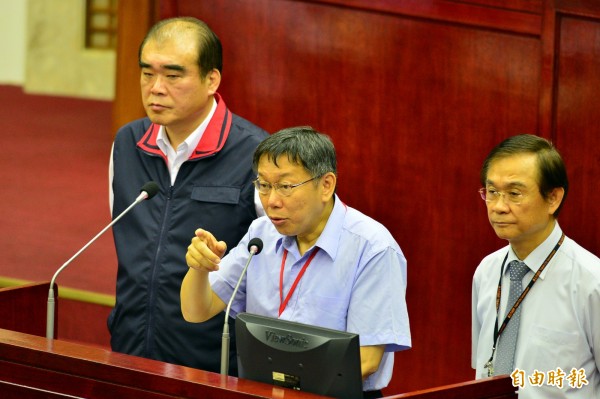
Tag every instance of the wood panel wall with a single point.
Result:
(414, 94)
(576, 127)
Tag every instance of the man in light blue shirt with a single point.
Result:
(323, 263)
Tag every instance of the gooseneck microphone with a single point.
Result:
(254, 247)
(147, 191)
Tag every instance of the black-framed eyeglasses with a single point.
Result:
(283, 189)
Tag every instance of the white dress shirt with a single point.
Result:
(560, 319)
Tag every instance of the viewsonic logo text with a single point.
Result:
(287, 339)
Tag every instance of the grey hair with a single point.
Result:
(303, 146)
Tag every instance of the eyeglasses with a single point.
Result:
(284, 189)
(492, 195)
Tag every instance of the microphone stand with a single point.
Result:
(51, 299)
(254, 249)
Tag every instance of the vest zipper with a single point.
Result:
(151, 284)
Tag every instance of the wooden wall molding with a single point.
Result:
(521, 18)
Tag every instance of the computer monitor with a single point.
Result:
(298, 356)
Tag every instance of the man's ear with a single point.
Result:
(214, 80)
(554, 199)
(329, 182)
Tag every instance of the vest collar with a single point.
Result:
(212, 141)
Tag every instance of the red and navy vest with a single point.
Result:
(213, 191)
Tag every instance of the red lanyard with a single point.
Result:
(283, 303)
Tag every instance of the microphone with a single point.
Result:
(254, 247)
(147, 191)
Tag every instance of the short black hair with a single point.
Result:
(210, 51)
(552, 172)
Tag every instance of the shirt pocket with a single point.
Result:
(329, 312)
(217, 194)
(553, 348)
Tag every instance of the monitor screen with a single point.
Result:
(298, 356)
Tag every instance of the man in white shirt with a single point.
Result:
(557, 316)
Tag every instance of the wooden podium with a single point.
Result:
(32, 366)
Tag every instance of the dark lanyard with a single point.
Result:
(283, 303)
(497, 331)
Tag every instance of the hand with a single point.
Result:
(205, 252)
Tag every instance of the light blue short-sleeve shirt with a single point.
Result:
(356, 282)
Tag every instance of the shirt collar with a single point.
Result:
(537, 257)
(329, 239)
(191, 142)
